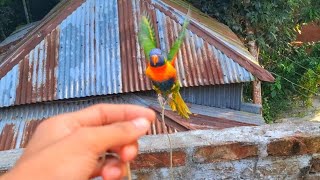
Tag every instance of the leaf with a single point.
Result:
(278, 86)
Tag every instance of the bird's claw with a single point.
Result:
(161, 100)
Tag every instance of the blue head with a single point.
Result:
(156, 58)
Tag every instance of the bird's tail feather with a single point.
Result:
(177, 104)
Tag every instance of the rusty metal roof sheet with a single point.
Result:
(18, 34)
(18, 123)
(92, 49)
(223, 113)
(196, 121)
(10, 42)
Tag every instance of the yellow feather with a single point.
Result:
(178, 104)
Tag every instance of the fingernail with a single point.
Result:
(141, 123)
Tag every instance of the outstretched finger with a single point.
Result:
(103, 114)
(103, 138)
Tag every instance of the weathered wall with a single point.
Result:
(279, 151)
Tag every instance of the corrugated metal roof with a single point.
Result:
(89, 54)
(197, 121)
(18, 34)
(223, 113)
(221, 96)
(199, 63)
(209, 22)
(34, 78)
(215, 28)
(8, 86)
(11, 42)
(18, 123)
(94, 50)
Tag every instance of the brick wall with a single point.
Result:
(280, 151)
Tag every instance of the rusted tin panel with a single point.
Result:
(16, 133)
(198, 62)
(95, 51)
(18, 34)
(196, 121)
(17, 124)
(36, 72)
(10, 42)
(227, 96)
(45, 110)
(29, 80)
(28, 131)
(237, 53)
(196, 55)
(225, 113)
(197, 15)
(89, 54)
(221, 96)
(37, 34)
(132, 56)
(7, 136)
(8, 86)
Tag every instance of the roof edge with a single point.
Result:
(258, 71)
(63, 9)
(37, 34)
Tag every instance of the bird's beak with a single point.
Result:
(154, 59)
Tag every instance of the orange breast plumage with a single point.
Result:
(163, 73)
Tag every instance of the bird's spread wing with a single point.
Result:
(147, 38)
(176, 46)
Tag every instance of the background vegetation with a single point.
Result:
(273, 25)
(13, 16)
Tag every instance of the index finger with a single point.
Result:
(103, 114)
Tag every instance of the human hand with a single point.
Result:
(68, 146)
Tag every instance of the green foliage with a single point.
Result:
(4, 2)
(270, 23)
(5, 15)
(297, 79)
(12, 13)
(309, 81)
(39, 8)
(267, 110)
(273, 25)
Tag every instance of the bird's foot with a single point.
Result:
(161, 100)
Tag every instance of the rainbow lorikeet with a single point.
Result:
(161, 69)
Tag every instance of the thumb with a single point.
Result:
(100, 139)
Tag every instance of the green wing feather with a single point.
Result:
(147, 38)
(176, 46)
